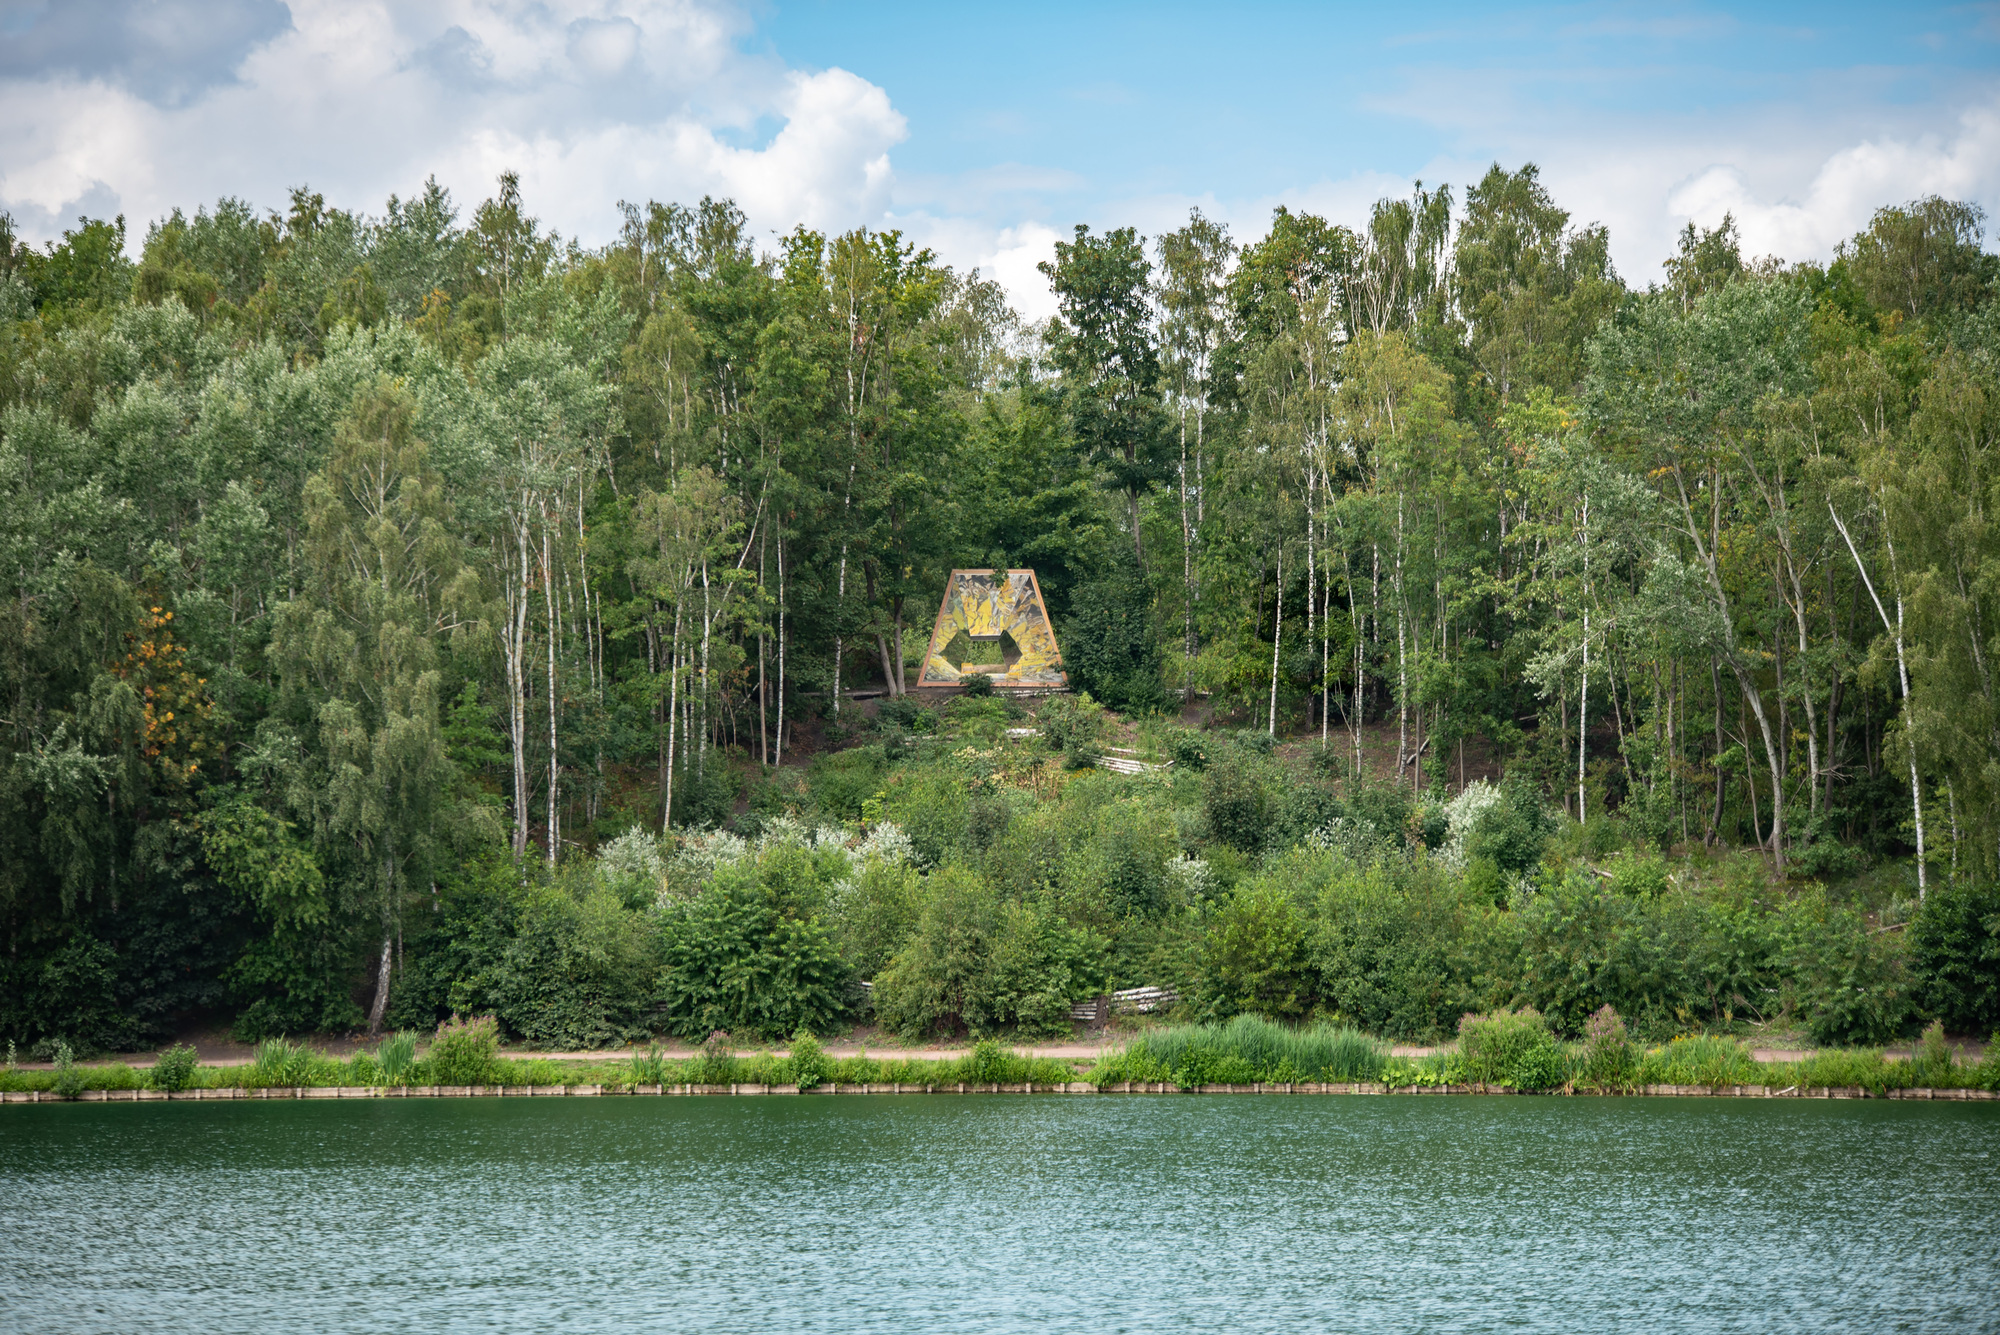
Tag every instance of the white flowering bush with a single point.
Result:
(1191, 878)
(1463, 814)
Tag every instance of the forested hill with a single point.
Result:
(348, 554)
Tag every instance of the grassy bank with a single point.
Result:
(1517, 1050)
(466, 1055)
(1510, 1049)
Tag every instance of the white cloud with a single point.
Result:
(591, 100)
(1847, 189)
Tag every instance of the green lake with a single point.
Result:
(1001, 1213)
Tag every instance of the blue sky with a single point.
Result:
(985, 131)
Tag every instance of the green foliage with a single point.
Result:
(174, 1068)
(717, 1063)
(649, 1067)
(843, 780)
(281, 503)
(1512, 835)
(809, 1063)
(1187, 749)
(1405, 950)
(1607, 1058)
(976, 684)
(1512, 1048)
(559, 960)
(69, 1080)
(1254, 956)
(1851, 982)
(463, 1052)
(280, 1063)
(1699, 1059)
(1246, 1050)
(1954, 946)
(397, 1055)
(733, 958)
(935, 982)
(1109, 647)
(933, 808)
(1235, 802)
(1072, 725)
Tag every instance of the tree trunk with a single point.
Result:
(380, 1006)
(1902, 678)
(1277, 638)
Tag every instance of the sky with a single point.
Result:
(987, 132)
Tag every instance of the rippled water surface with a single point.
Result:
(998, 1213)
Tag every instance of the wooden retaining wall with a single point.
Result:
(1076, 1087)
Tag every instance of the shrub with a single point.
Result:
(1071, 724)
(1253, 957)
(904, 713)
(976, 684)
(1607, 1049)
(717, 1063)
(1038, 965)
(69, 1079)
(1510, 1048)
(575, 971)
(989, 1063)
(1851, 983)
(1955, 956)
(1235, 803)
(1109, 647)
(933, 809)
(1187, 749)
(934, 981)
(175, 1068)
(1513, 832)
(734, 961)
(363, 1069)
(1931, 1064)
(1301, 809)
(464, 1052)
(842, 780)
(1331, 761)
(809, 1062)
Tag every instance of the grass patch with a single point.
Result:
(1246, 1050)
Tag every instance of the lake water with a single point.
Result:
(1001, 1213)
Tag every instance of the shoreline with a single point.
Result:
(1966, 1050)
(233, 1093)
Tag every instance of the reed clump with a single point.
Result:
(1247, 1050)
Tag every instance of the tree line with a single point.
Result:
(342, 549)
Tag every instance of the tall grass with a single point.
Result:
(1246, 1050)
(397, 1055)
(1699, 1059)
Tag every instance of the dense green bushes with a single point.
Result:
(559, 959)
(735, 959)
(1955, 951)
(980, 886)
(984, 899)
(1510, 1048)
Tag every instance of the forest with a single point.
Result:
(421, 614)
